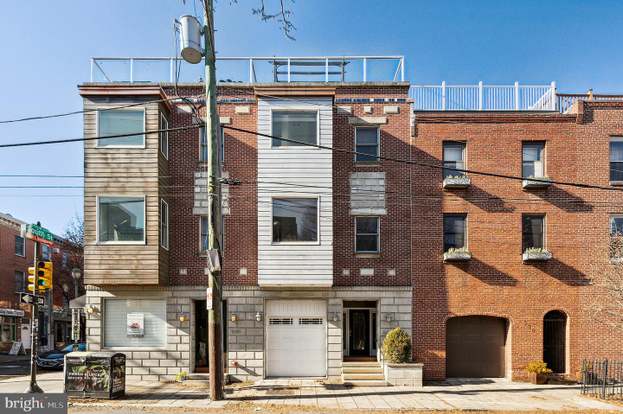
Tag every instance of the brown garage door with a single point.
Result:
(475, 347)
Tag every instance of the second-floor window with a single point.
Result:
(45, 252)
(367, 235)
(453, 157)
(301, 126)
(20, 281)
(616, 159)
(533, 231)
(367, 144)
(164, 136)
(533, 155)
(203, 145)
(295, 219)
(120, 122)
(121, 219)
(454, 231)
(20, 246)
(203, 233)
(164, 224)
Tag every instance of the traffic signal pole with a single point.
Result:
(34, 332)
(215, 353)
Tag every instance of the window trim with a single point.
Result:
(162, 244)
(144, 133)
(378, 235)
(126, 242)
(201, 249)
(543, 156)
(162, 134)
(23, 246)
(613, 138)
(465, 230)
(612, 217)
(295, 146)
(378, 144)
(317, 197)
(443, 158)
(544, 216)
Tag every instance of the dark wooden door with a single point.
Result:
(359, 332)
(201, 336)
(554, 341)
(475, 347)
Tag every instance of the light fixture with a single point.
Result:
(183, 318)
(91, 310)
(389, 317)
(335, 316)
(233, 317)
(258, 316)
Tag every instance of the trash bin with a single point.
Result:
(95, 374)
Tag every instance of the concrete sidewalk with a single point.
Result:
(456, 395)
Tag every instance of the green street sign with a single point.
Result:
(34, 231)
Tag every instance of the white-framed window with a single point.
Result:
(20, 246)
(454, 231)
(45, 252)
(367, 234)
(135, 323)
(367, 144)
(121, 219)
(295, 219)
(203, 233)
(453, 158)
(616, 159)
(164, 224)
(533, 231)
(297, 125)
(533, 159)
(119, 122)
(164, 136)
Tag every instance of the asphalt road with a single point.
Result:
(15, 365)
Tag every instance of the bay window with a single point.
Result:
(121, 219)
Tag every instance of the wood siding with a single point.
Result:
(295, 264)
(123, 172)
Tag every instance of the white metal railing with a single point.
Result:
(251, 69)
(482, 97)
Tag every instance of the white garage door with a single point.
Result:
(296, 338)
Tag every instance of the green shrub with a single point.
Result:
(538, 367)
(397, 346)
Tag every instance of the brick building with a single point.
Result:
(324, 251)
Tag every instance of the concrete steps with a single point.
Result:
(363, 374)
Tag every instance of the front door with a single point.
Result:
(201, 336)
(359, 332)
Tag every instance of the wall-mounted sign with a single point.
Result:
(209, 298)
(136, 324)
(11, 312)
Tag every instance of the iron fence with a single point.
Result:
(602, 379)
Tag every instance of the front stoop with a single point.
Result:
(363, 374)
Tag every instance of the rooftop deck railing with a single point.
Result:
(483, 97)
(251, 69)
(566, 100)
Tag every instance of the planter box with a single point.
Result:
(456, 182)
(536, 256)
(456, 256)
(538, 182)
(538, 379)
(408, 375)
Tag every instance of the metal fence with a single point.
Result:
(566, 100)
(602, 379)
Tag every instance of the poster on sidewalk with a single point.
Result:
(136, 324)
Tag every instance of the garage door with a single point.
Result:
(296, 338)
(475, 347)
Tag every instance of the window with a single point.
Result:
(121, 219)
(164, 136)
(453, 157)
(8, 329)
(118, 122)
(64, 259)
(367, 234)
(616, 236)
(295, 220)
(20, 247)
(454, 231)
(533, 231)
(616, 159)
(45, 252)
(296, 125)
(204, 233)
(164, 224)
(135, 323)
(533, 159)
(367, 142)
(20, 281)
(203, 145)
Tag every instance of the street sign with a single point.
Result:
(37, 233)
(30, 298)
(209, 298)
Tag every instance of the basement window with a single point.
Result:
(121, 122)
(300, 126)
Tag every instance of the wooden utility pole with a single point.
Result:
(215, 352)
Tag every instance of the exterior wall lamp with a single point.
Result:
(233, 317)
(258, 316)
(389, 317)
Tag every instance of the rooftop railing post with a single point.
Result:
(443, 95)
(402, 69)
(516, 96)
(131, 70)
(288, 69)
(553, 95)
(250, 70)
(480, 95)
(365, 69)
(326, 70)
(92, 64)
(171, 70)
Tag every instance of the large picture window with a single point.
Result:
(119, 122)
(121, 219)
(295, 220)
(367, 234)
(135, 323)
(367, 144)
(533, 231)
(454, 231)
(299, 126)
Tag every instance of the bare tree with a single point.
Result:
(73, 244)
(283, 15)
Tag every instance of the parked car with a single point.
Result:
(55, 359)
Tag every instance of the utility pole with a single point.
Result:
(215, 353)
(34, 332)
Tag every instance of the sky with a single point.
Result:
(46, 46)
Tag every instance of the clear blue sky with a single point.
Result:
(46, 46)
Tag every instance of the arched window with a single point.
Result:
(555, 341)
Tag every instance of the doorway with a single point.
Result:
(201, 337)
(555, 340)
(360, 330)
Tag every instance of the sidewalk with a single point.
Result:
(457, 395)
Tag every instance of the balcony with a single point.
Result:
(457, 255)
(536, 182)
(456, 181)
(534, 254)
(253, 70)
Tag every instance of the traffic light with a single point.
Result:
(41, 277)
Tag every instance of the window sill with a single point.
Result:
(616, 260)
(367, 164)
(457, 256)
(616, 183)
(121, 243)
(450, 183)
(536, 257)
(295, 243)
(369, 255)
(536, 182)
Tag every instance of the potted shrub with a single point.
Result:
(459, 254)
(397, 366)
(536, 253)
(538, 372)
